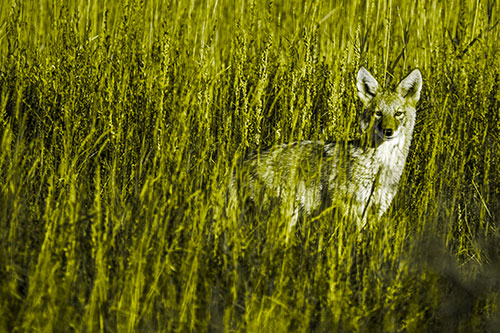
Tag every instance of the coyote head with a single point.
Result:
(387, 114)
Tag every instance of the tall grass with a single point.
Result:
(122, 121)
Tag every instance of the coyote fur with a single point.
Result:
(359, 177)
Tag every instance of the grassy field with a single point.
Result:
(121, 121)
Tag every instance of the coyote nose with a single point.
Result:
(388, 132)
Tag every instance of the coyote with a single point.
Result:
(359, 177)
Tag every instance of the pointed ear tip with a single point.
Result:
(416, 71)
(415, 77)
(364, 74)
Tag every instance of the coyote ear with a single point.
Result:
(367, 85)
(409, 88)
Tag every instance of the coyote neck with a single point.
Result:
(377, 170)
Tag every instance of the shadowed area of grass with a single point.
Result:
(121, 123)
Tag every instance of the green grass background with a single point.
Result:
(121, 121)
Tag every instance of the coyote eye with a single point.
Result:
(398, 114)
(378, 114)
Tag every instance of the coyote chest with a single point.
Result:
(372, 179)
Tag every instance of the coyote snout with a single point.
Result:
(359, 177)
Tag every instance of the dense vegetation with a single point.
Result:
(121, 121)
